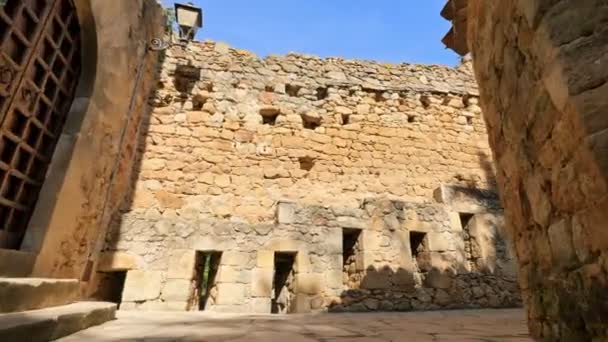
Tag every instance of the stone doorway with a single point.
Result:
(351, 251)
(283, 283)
(39, 69)
(204, 284)
(110, 286)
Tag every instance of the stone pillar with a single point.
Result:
(542, 67)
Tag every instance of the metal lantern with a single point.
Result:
(189, 19)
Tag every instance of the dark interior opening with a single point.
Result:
(306, 163)
(465, 218)
(205, 291)
(310, 122)
(411, 119)
(283, 283)
(417, 243)
(111, 286)
(322, 93)
(292, 90)
(345, 119)
(350, 239)
(269, 115)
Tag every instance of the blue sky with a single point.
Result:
(384, 30)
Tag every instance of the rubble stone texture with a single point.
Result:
(542, 71)
(249, 156)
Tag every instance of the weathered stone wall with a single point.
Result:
(542, 72)
(250, 157)
(344, 130)
(163, 252)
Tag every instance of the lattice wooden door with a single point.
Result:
(39, 67)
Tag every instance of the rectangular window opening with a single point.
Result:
(205, 287)
(283, 283)
(352, 273)
(419, 250)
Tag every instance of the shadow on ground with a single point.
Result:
(472, 325)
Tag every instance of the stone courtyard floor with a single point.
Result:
(472, 325)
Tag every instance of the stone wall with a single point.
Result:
(542, 72)
(231, 134)
(164, 250)
(249, 157)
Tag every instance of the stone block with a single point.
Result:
(439, 242)
(116, 261)
(265, 259)
(230, 294)
(286, 213)
(560, 239)
(310, 283)
(334, 279)
(177, 290)
(455, 223)
(376, 279)
(261, 285)
(438, 280)
(260, 305)
(351, 222)
(142, 286)
(230, 274)
(235, 258)
(176, 305)
(181, 264)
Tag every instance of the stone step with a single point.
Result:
(23, 294)
(54, 323)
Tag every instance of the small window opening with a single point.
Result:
(420, 252)
(351, 250)
(292, 90)
(411, 118)
(322, 93)
(198, 101)
(417, 243)
(283, 283)
(345, 119)
(306, 163)
(465, 218)
(469, 120)
(379, 96)
(425, 101)
(269, 115)
(311, 122)
(205, 287)
(269, 89)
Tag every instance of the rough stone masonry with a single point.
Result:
(367, 186)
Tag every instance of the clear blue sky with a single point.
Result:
(384, 30)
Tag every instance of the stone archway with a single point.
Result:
(87, 173)
(543, 76)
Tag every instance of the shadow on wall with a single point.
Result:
(386, 289)
(475, 181)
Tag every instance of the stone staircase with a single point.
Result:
(33, 309)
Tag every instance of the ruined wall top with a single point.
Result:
(313, 70)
